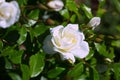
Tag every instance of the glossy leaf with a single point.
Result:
(90, 55)
(116, 43)
(77, 70)
(25, 72)
(14, 76)
(65, 13)
(34, 14)
(87, 11)
(53, 73)
(71, 5)
(23, 35)
(36, 64)
(101, 48)
(16, 57)
(73, 18)
(39, 29)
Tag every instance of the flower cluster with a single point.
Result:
(9, 13)
(67, 41)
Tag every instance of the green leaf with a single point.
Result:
(87, 11)
(16, 57)
(36, 64)
(39, 29)
(34, 14)
(94, 75)
(111, 54)
(116, 4)
(13, 55)
(23, 35)
(73, 18)
(93, 61)
(70, 4)
(25, 72)
(1, 45)
(55, 72)
(116, 43)
(65, 13)
(21, 3)
(77, 70)
(8, 65)
(14, 76)
(101, 48)
(7, 51)
(90, 55)
(116, 69)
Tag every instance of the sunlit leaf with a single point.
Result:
(73, 18)
(101, 48)
(65, 13)
(116, 43)
(36, 64)
(70, 4)
(16, 57)
(23, 35)
(87, 11)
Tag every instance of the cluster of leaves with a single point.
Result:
(22, 56)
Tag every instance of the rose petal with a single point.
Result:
(17, 10)
(72, 26)
(48, 46)
(2, 1)
(67, 56)
(81, 51)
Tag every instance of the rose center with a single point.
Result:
(66, 42)
(5, 13)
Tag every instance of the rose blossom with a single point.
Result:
(9, 13)
(67, 41)
(94, 22)
(2, 1)
(56, 5)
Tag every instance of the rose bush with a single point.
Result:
(9, 13)
(68, 41)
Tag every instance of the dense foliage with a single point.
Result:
(21, 45)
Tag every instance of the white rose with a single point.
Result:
(68, 41)
(2, 1)
(94, 22)
(56, 5)
(9, 13)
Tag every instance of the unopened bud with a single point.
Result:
(56, 5)
(94, 22)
